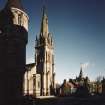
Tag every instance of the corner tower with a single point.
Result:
(13, 40)
(44, 56)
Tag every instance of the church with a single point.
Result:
(39, 78)
(17, 78)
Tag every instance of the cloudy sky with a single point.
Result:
(78, 28)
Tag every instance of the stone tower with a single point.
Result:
(13, 40)
(44, 56)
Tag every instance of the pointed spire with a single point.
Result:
(81, 73)
(44, 12)
(14, 3)
(36, 38)
(44, 23)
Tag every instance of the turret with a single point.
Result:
(13, 40)
(14, 4)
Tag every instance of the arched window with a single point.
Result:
(38, 84)
(19, 19)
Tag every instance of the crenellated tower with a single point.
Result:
(13, 40)
(44, 56)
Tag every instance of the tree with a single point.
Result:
(99, 84)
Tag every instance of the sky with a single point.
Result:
(78, 28)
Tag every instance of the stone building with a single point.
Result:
(40, 77)
(32, 81)
(77, 86)
(103, 85)
(13, 40)
(66, 89)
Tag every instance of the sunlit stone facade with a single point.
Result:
(40, 76)
(32, 81)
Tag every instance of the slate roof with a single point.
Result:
(15, 4)
(30, 65)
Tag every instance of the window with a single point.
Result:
(49, 57)
(19, 19)
(38, 84)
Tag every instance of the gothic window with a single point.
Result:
(53, 59)
(38, 84)
(38, 59)
(48, 58)
(34, 80)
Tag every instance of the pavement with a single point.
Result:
(45, 97)
(70, 101)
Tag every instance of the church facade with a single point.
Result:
(39, 78)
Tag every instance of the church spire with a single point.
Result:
(14, 3)
(81, 73)
(44, 23)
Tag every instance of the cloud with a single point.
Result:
(87, 65)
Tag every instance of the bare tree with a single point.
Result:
(99, 79)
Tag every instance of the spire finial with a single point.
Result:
(44, 12)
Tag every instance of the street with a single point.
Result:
(71, 101)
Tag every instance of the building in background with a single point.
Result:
(77, 86)
(82, 86)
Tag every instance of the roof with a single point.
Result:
(70, 84)
(30, 65)
(67, 85)
(14, 3)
